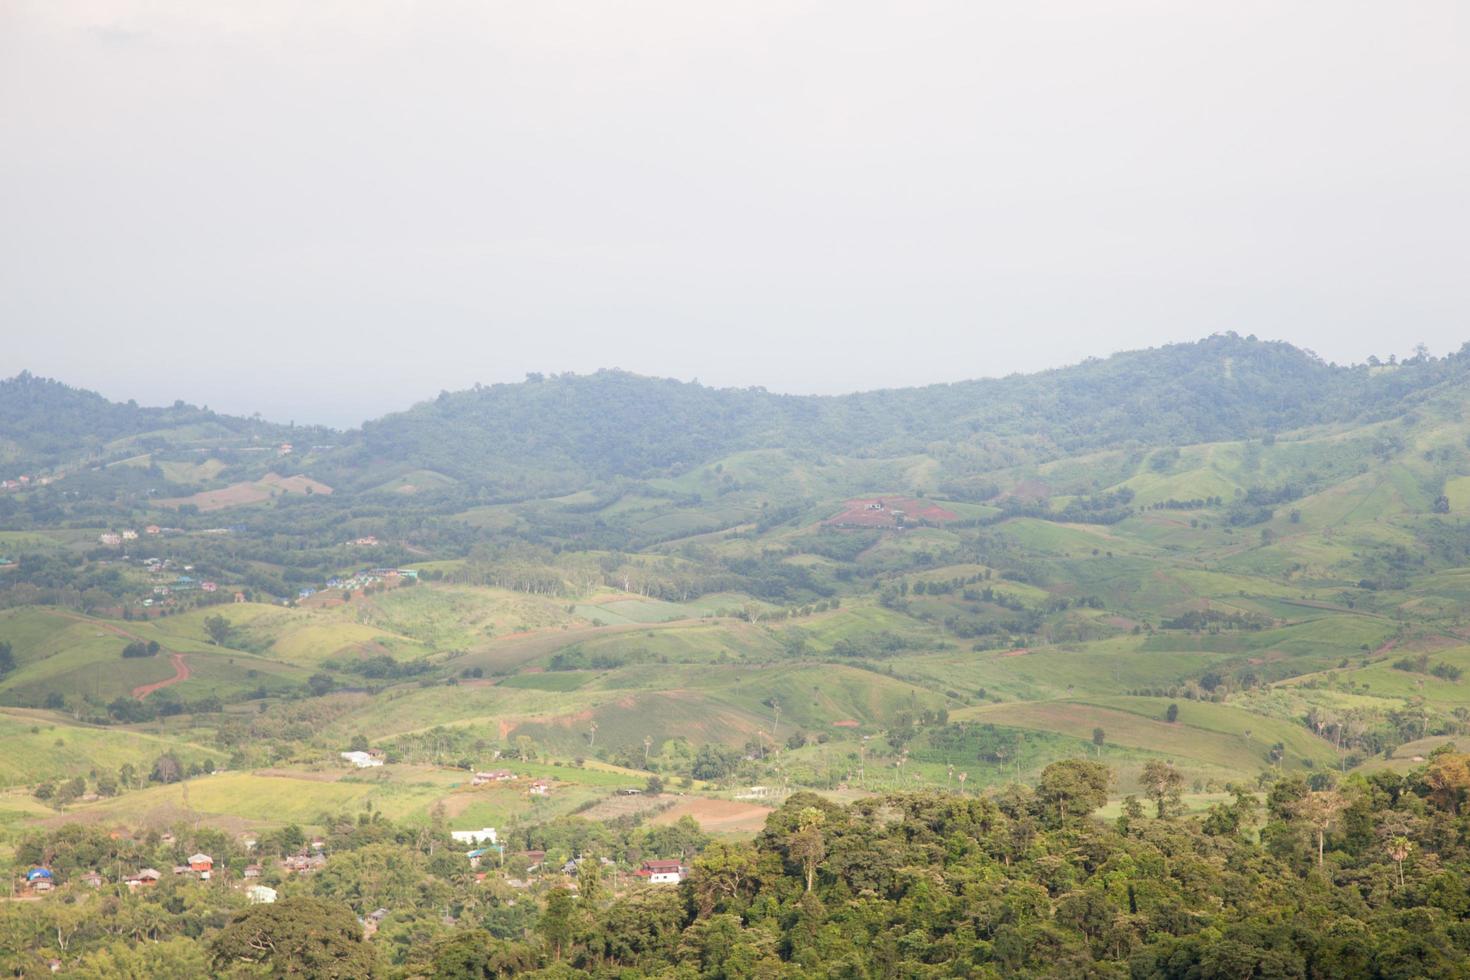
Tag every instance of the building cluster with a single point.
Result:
(361, 580)
(27, 482)
(536, 787)
(485, 842)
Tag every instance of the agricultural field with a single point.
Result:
(1245, 606)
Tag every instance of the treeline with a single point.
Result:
(1321, 878)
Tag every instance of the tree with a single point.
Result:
(1319, 810)
(1163, 784)
(1399, 848)
(722, 876)
(807, 844)
(166, 769)
(1073, 786)
(1172, 715)
(296, 936)
(219, 629)
(1448, 780)
(557, 922)
(1099, 739)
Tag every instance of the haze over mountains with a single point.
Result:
(614, 423)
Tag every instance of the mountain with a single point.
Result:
(558, 433)
(44, 423)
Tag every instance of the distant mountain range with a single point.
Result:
(557, 433)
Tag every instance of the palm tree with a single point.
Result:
(1398, 849)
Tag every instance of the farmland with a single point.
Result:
(703, 641)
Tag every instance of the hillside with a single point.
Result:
(1227, 555)
(555, 434)
(44, 423)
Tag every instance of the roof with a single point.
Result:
(662, 865)
(38, 873)
(200, 859)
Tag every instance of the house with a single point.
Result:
(239, 597)
(40, 880)
(540, 788)
(493, 776)
(202, 864)
(253, 870)
(372, 920)
(208, 586)
(92, 879)
(152, 529)
(143, 879)
(130, 535)
(297, 864)
(182, 869)
(260, 894)
(475, 855)
(485, 835)
(662, 872)
(110, 539)
(362, 760)
(367, 541)
(533, 859)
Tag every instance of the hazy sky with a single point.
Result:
(327, 210)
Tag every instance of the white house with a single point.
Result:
(260, 894)
(362, 760)
(485, 835)
(662, 872)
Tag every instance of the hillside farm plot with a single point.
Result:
(716, 816)
(1229, 750)
(889, 512)
(253, 492)
(35, 747)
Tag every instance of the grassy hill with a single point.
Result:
(651, 578)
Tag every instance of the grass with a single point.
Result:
(37, 746)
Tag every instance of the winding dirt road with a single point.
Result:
(181, 673)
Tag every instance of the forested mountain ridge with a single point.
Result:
(613, 423)
(556, 433)
(44, 423)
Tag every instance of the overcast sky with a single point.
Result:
(323, 211)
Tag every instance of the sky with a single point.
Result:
(326, 211)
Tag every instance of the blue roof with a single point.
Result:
(35, 873)
(477, 852)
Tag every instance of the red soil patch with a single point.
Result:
(717, 816)
(1018, 652)
(885, 511)
(845, 723)
(181, 673)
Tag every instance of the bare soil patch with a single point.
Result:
(181, 673)
(717, 816)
